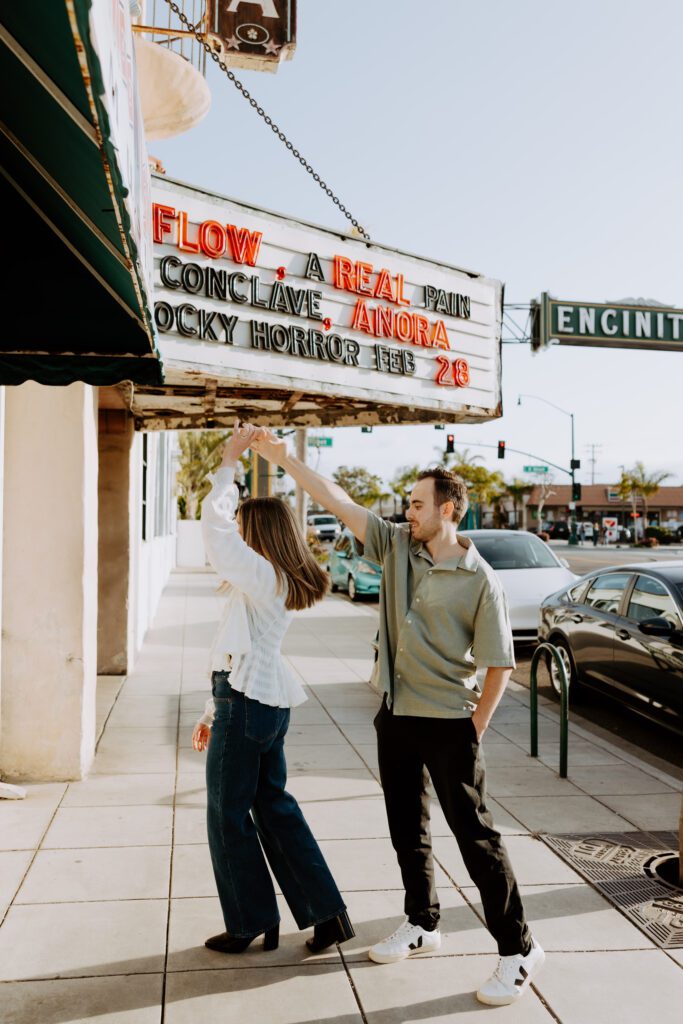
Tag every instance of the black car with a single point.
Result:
(621, 630)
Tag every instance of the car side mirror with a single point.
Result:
(658, 626)
(341, 554)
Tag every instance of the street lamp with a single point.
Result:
(574, 464)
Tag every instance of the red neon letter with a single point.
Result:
(363, 272)
(384, 288)
(421, 330)
(403, 326)
(362, 318)
(400, 297)
(343, 274)
(159, 215)
(439, 335)
(212, 238)
(244, 244)
(384, 322)
(461, 372)
(184, 244)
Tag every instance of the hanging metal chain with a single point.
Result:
(268, 120)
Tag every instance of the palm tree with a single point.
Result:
(646, 485)
(199, 456)
(517, 489)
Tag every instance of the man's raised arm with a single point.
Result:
(325, 492)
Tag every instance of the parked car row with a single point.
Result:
(619, 630)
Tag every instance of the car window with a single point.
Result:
(606, 591)
(650, 599)
(343, 544)
(323, 520)
(574, 593)
(515, 551)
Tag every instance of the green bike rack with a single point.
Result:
(564, 703)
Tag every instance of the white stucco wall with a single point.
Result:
(49, 582)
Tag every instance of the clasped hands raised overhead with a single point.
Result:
(261, 439)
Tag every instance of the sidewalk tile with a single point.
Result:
(121, 790)
(313, 735)
(82, 827)
(437, 990)
(360, 864)
(23, 822)
(617, 780)
(13, 867)
(276, 995)
(659, 811)
(192, 872)
(62, 940)
(348, 819)
(119, 759)
(613, 987)
(133, 1000)
(574, 917)
(579, 754)
(325, 757)
(122, 873)
(125, 737)
(559, 814)
(337, 785)
(527, 780)
(532, 861)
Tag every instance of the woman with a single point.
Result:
(269, 573)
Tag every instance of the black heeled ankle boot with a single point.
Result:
(227, 943)
(338, 929)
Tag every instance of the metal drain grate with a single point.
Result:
(621, 866)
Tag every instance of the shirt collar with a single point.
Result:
(470, 561)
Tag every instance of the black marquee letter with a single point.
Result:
(314, 270)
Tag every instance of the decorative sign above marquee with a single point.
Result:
(256, 34)
(250, 298)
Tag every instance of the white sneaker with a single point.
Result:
(512, 977)
(406, 940)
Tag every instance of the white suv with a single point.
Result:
(324, 526)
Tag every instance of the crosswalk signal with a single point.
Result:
(501, 449)
(366, 430)
(450, 444)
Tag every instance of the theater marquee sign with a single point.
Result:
(295, 323)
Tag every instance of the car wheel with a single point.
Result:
(333, 587)
(568, 662)
(353, 593)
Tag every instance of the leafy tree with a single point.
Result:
(200, 454)
(517, 489)
(403, 481)
(645, 485)
(361, 485)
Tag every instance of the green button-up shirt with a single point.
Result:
(438, 624)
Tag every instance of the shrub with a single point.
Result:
(661, 535)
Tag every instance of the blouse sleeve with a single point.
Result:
(229, 555)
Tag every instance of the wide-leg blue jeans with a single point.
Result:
(250, 814)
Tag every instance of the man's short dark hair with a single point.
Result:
(448, 487)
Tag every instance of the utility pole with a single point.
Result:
(301, 497)
(593, 448)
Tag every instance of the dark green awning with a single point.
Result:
(74, 264)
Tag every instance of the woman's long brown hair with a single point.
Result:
(269, 527)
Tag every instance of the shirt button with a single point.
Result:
(417, 600)
(400, 650)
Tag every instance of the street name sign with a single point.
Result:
(293, 323)
(535, 469)
(319, 442)
(605, 325)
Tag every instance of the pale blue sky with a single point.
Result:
(534, 141)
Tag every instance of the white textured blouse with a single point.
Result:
(255, 617)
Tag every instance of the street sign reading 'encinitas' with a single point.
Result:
(606, 325)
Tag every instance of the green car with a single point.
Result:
(350, 571)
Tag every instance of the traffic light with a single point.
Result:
(280, 472)
(501, 449)
(439, 426)
(366, 430)
(450, 444)
(576, 492)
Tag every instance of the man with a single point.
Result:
(443, 614)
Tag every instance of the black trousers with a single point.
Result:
(411, 750)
